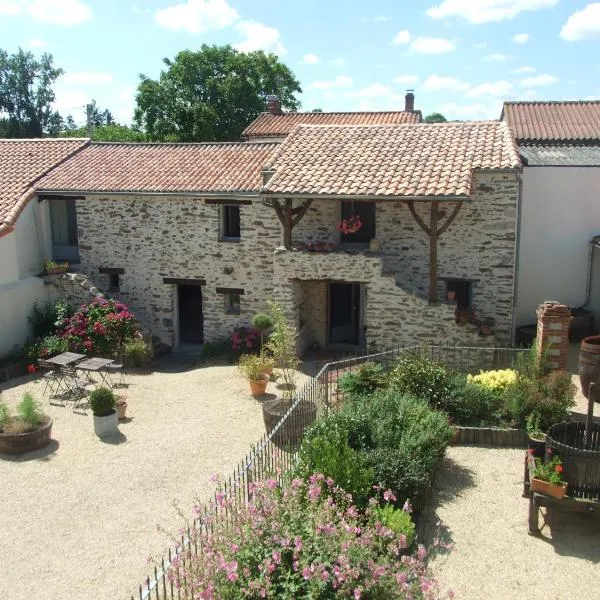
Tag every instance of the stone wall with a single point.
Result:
(157, 237)
(479, 245)
(393, 316)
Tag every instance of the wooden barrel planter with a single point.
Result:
(589, 363)
(579, 448)
(20, 443)
(290, 432)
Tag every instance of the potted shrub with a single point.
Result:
(536, 436)
(253, 369)
(121, 406)
(28, 430)
(102, 403)
(54, 268)
(547, 477)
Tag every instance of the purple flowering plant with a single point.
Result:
(302, 539)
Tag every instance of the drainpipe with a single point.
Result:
(594, 243)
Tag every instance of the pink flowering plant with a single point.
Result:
(100, 327)
(350, 225)
(245, 339)
(303, 539)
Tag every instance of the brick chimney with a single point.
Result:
(409, 101)
(273, 105)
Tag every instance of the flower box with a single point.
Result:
(549, 489)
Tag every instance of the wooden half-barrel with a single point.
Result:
(589, 364)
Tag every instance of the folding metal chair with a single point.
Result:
(113, 371)
(51, 376)
(75, 387)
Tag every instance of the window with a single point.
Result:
(366, 212)
(114, 283)
(231, 222)
(232, 303)
(459, 291)
(63, 222)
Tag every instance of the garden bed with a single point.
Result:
(489, 436)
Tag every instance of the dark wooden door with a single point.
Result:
(344, 313)
(191, 320)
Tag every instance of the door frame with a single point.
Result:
(176, 315)
(362, 297)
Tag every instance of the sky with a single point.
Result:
(462, 57)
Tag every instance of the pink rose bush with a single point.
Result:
(100, 327)
(304, 539)
(245, 339)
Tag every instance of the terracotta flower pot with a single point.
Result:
(258, 386)
(121, 409)
(543, 487)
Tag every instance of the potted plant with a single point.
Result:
(121, 406)
(54, 268)
(536, 436)
(28, 430)
(267, 362)
(102, 403)
(547, 477)
(252, 368)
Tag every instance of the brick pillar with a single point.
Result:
(553, 334)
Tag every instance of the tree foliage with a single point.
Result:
(26, 95)
(211, 94)
(435, 117)
(107, 133)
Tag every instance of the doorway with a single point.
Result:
(345, 313)
(191, 319)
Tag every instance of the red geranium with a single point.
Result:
(31, 368)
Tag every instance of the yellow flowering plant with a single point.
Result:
(494, 380)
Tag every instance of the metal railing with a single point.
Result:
(276, 452)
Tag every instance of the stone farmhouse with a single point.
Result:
(197, 237)
(558, 257)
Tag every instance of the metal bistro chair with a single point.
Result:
(116, 369)
(75, 387)
(51, 376)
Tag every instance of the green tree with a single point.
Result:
(211, 94)
(112, 132)
(96, 117)
(435, 117)
(26, 95)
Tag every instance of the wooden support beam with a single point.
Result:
(303, 209)
(289, 217)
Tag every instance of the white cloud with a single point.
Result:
(428, 45)
(310, 59)
(525, 69)
(375, 90)
(402, 37)
(436, 83)
(259, 37)
(520, 38)
(495, 89)
(496, 57)
(197, 16)
(60, 12)
(480, 45)
(341, 81)
(337, 62)
(71, 102)
(85, 78)
(471, 111)
(538, 80)
(36, 44)
(378, 19)
(582, 24)
(10, 8)
(406, 79)
(485, 11)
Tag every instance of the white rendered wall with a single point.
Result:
(560, 212)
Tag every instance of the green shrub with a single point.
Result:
(47, 347)
(30, 411)
(368, 378)
(262, 322)
(398, 520)
(4, 414)
(45, 318)
(417, 376)
(325, 449)
(102, 401)
(474, 405)
(137, 352)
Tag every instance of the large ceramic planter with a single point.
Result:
(106, 425)
(543, 487)
(20, 443)
(258, 386)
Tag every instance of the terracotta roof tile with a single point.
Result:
(24, 161)
(389, 160)
(553, 121)
(146, 168)
(268, 125)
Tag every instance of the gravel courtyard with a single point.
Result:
(79, 518)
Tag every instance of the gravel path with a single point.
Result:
(79, 518)
(477, 497)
